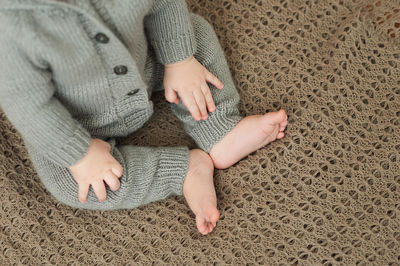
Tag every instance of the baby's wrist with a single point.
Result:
(180, 62)
(89, 152)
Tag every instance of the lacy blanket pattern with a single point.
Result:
(328, 193)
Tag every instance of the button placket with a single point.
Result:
(114, 61)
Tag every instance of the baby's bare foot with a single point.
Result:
(250, 134)
(199, 192)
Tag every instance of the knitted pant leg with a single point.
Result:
(150, 174)
(209, 53)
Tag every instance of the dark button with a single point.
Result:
(133, 92)
(102, 38)
(120, 70)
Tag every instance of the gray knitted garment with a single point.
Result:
(78, 69)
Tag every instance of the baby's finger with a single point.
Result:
(112, 181)
(99, 189)
(117, 169)
(191, 105)
(83, 192)
(171, 96)
(209, 99)
(201, 103)
(214, 80)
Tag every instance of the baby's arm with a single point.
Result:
(170, 31)
(26, 96)
(171, 34)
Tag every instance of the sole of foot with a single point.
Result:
(249, 135)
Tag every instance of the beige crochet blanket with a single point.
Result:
(326, 194)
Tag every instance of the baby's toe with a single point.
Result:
(201, 224)
(280, 135)
(206, 222)
(212, 220)
(274, 118)
(213, 216)
(203, 229)
(210, 227)
(208, 230)
(283, 125)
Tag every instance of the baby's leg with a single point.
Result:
(150, 174)
(225, 135)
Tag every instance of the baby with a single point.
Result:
(76, 74)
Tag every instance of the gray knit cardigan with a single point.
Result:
(65, 81)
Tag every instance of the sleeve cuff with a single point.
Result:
(176, 50)
(74, 150)
(170, 31)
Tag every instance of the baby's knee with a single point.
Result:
(207, 42)
(61, 184)
(67, 192)
(200, 22)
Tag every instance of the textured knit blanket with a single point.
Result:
(328, 193)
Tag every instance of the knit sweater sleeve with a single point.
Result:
(170, 31)
(27, 98)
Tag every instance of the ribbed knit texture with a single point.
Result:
(150, 174)
(170, 43)
(60, 89)
(208, 132)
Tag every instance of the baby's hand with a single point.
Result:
(97, 166)
(189, 79)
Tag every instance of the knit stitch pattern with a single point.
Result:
(102, 89)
